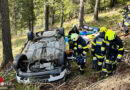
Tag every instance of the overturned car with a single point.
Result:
(42, 58)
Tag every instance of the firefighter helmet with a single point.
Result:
(103, 29)
(110, 35)
(74, 37)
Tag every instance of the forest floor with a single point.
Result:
(91, 79)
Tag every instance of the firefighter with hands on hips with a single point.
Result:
(98, 58)
(72, 31)
(113, 50)
(80, 51)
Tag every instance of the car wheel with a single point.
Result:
(61, 32)
(30, 35)
(20, 62)
(61, 59)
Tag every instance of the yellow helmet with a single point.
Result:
(74, 25)
(110, 35)
(103, 29)
(74, 37)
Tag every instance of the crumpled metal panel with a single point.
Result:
(49, 47)
(46, 48)
(49, 33)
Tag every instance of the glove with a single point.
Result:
(80, 59)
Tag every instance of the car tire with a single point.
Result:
(19, 59)
(30, 36)
(61, 32)
(61, 59)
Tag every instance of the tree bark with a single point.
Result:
(104, 1)
(75, 13)
(61, 20)
(97, 5)
(13, 22)
(113, 3)
(62, 17)
(31, 15)
(53, 17)
(53, 14)
(6, 36)
(46, 16)
(81, 13)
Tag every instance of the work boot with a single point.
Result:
(94, 64)
(114, 67)
(103, 75)
(99, 68)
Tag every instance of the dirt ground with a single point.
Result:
(119, 81)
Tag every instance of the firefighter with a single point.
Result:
(112, 48)
(126, 9)
(98, 58)
(80, 51)
(74, 30)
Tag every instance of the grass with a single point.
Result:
(127, 44)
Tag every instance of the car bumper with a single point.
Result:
(42, 77)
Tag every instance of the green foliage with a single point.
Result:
(67, 6)
(91, 4)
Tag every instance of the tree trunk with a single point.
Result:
(6, 37)
(62, 17)
(21, 28)
(97, 5)
(75, 13)
(29, 24)
(53, 17)
(61, 20)
(13, 22)
(81, 13)
(113, 3)
(31, 15)
(46, 16)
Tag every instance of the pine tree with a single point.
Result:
(6, 37)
